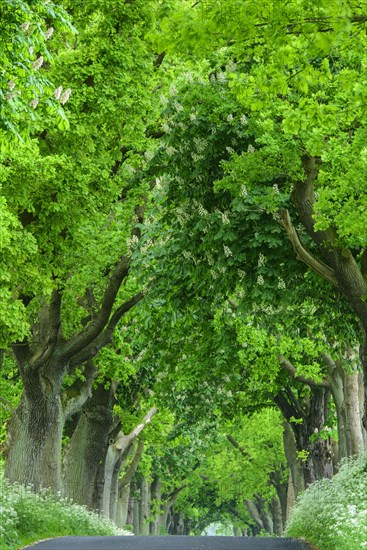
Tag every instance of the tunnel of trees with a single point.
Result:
(183, 255)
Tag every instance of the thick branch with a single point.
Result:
(237, 446)
(53, 330)
(83, 388)
(80, 341)
(289, 408)
(292, 371)
(105, 337)
(303, 254)
(140, 427)
(130, 472)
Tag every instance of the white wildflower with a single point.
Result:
(49, 33)
(65, 96)
(244, 120)
(25, 26)
(230, 150)
(166, 128)
(58, 92)
(221, 77)
(276, 188)
(34, 103)
(227, 251)
(241, 274)
(260, 280)
(11, 85)
(192, 116)
(251, 149)
(229, 118)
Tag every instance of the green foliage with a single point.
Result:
(332, 513)
(27, 517)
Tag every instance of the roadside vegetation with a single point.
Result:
(332, 513)
(26, 517)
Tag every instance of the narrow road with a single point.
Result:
(169, 543)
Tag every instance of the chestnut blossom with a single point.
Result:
(65, 96)
(38, 63)
(11, 85)
(25, 26)
(34, 103)
(49, 32)
(58, 92)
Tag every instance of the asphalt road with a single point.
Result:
(169, 543)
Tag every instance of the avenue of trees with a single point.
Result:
(183, 255)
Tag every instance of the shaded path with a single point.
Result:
(169, 543)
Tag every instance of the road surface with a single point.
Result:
(169, 543)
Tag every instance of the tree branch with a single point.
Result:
(106, 336)
(83, 388)
(129, 474)
(292, 371)
(80, 341)
(288, 407)
(237, 446)
(53, 319)
(303, 254)
(140, 427)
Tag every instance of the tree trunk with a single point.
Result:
(144, 507)
(354, 426)
(88, 447)
(296, 483)
(276, 509)
(36, 419)
(317, 463)
(124, 487)
(156, 501)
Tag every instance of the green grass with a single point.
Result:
(332, 514)
(26, 517)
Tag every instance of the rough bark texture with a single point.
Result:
(312, 413)
(88, 447)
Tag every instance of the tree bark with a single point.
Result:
(87, 449)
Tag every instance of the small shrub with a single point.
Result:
(332, 514)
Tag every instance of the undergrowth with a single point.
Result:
(26, 517)
(332, 514)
